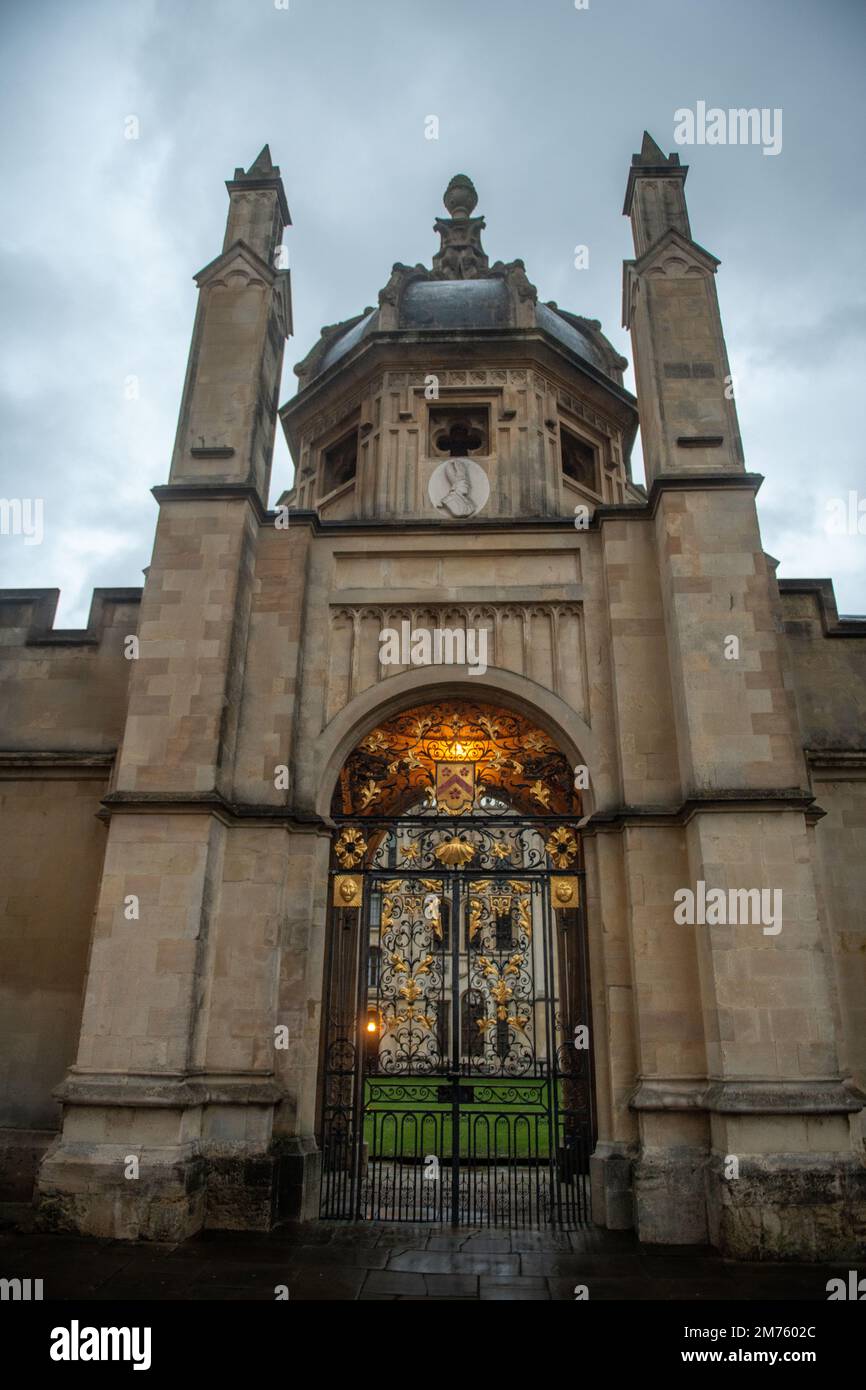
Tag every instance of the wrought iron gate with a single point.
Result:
(456, 1068)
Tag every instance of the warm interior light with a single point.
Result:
(371, 1025)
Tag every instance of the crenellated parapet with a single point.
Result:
(64, 690)
(31, 612)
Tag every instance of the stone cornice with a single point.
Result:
(724, 801)
(699, 482)
(210, 803)
(155, 1090)
(675, 482)
(625, 511)
(400, 348)
(214, 492)
(397, 527)
(55, 765)
(837, 760)
(616, 819)
(746, 1096)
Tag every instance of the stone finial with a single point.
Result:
(461, 255)
(460, 197)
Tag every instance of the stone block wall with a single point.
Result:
(63, 696)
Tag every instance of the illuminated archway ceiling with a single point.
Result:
(478, 750)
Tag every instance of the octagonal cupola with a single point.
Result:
(460, 396)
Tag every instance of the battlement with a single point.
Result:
(64, 690)
(813, 601)
(32, 613)
(829, 676)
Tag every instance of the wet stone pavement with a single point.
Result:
(338, 1261)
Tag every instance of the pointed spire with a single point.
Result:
(262, 165)
(651, 154)
(648, 167)
(262, 173)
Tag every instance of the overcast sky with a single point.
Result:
(540, 103)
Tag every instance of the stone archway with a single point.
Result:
(320, 762)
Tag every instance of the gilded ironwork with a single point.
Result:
(395, 766)
(350, 847)
(524, 916)
(454, 852)
(455, 991)
(562, 847)
(475, 909)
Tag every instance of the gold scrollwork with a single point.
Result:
(501, 992)
(501, 752)
(369, 793)
(475, 908)
(524, 915)
(412, 1010)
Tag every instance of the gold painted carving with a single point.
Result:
(351, 847)
(564, 891)
(347, 890)
(562, 847)
(454, 852)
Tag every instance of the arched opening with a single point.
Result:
(455, 1081)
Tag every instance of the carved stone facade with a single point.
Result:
(541, 641)
(184, 800)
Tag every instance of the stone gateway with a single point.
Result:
(308, 933)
